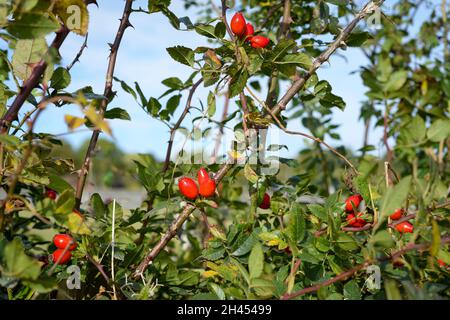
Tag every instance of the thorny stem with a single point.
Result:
(79, 53)
(344, 275)
(124, 23)
(292, 91)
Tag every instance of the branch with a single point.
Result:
(296, 86)
(29, 84)
(324, 56)
(124, 23)
(178, 124)
(344, 275)
(78, 55)
(172, 232)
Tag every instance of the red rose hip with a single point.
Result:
(188, 188)
(404, 227)
(356, 221)
(265, 203)
(249, 31)
(259, 42)
(62, 241)
(238, 25)
(397, 214)
(355, 199)
(61, 257)
(202, 176)
(208, 188)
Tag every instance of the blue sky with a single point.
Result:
(143, 58)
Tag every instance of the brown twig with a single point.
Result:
(124, 24)
(295, 87)
(178, 124)
(79, 53)
(34, 79)
(344, 275)
(172, 232)
(99, 268)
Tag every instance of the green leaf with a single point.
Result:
(238, 82)
(26, 54)
(60, 78)
(352, 290)
(297, 224)
(357, 39)
(256, 261)
(346, 242)
(98, 206)
(173, 103)
(117, 113)
(318, 211)
(32, 26)
(439, 130)
(383, 238)
(182, 54)
(396, 81)
(18, 264)
(211, 104)
(281, 49)
(220, 30)
(296, 59)
(65, 202)
(217, 291)
(205, 30)
(173, 83)
(395, 197)
(392, 290)
(247, 245)
(250, 174)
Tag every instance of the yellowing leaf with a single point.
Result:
(97, 120)
(77, 224)
(210, 274)
(273, 242)
(74, 14)
(73, 122)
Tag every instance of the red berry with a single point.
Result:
(238, 25)
(208, 188)
(249, 31)
(62, 240)
(188, 188)
(441, 263)
(50, 193)
(355, 199)
(404, 227)
(356, 221)
(61, 258)
(259, 42)
(265, 203)
(397, 214)
(203, 176)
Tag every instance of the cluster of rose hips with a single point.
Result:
(63, 255)
(206, 188)
(244, 30)
(352, 203)
(354, 219)
(402, 227)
